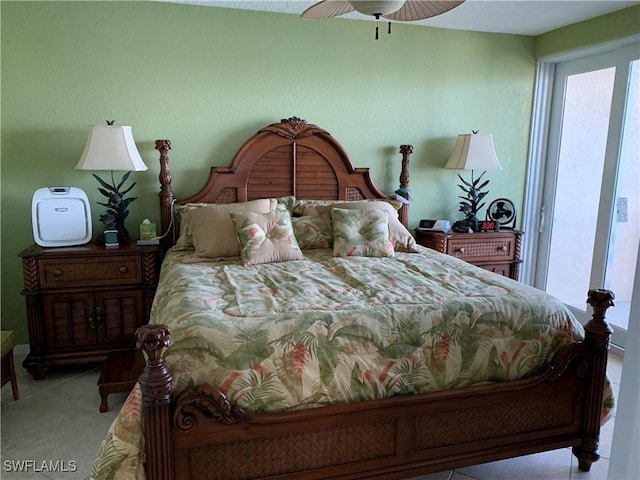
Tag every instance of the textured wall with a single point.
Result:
(208, 78)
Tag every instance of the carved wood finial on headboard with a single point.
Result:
(166, 193)
(405, 150)
(293, 127)
(403, 190)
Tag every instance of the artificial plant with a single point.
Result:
(470, 203)
(117, 206)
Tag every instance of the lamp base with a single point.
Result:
(468, 225)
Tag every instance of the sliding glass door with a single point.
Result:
(589, 221)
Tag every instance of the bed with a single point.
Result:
(354, 356)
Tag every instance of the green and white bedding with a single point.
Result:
(306, 333)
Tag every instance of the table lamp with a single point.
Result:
(111, 147)
(472, 152)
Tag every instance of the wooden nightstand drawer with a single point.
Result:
(117, 270)
(481, 249)
(497, 252)
(499, 268)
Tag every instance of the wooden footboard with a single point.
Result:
(200, 435)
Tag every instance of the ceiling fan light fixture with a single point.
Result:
(383, 7)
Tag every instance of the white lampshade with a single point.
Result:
(111, 147)
(474, 152)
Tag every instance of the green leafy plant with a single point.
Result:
(471, 202)
(117, 205)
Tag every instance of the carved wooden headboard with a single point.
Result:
(291, 157)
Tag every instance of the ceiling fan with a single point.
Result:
(399, 10)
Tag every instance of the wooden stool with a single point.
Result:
(8, 368)
(120, 373)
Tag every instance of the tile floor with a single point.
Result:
(58, 419)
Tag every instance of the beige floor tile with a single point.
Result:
(461, 476)
(434, 476)
(553, 465)
(599, 470)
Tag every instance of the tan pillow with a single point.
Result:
(401, 238)
(266, 237)
(213, 230)
(185, 239)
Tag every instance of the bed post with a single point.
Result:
(166, 194)
(155, 384)
(403, 191)
(597, 335)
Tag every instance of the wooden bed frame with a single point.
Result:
(200, 435)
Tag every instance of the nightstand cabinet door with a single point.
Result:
(118, 315)
(68, 321)
(498, 252)
(84, 302)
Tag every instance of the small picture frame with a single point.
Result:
(111, 238)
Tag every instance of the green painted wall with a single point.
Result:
(208, 78)
(590, 32)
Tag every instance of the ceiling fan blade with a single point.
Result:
(327, 9)
(420, 9)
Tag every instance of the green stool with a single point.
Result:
(8, 369)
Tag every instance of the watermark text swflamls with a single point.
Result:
(40, 466)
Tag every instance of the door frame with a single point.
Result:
(535, 218)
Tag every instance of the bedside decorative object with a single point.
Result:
(498, 252)
(147, 230)
(488, 226)
(111, 238)
(84, 302)
(61, 217)
(472, 152)
(111, 147)
(428, 225)
(503, 212)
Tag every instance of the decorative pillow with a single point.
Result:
(312, 232)
(401, 238)
(213, 230)
(361, 233)
(288, 201)
(266, 237)
(308, 207)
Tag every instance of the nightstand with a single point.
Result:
(497, 252)
(84, 302)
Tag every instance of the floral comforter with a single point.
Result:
(306, 333)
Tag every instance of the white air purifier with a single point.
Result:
(61, 217)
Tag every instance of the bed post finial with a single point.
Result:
(155, 385)
(403, 191)
(166, 193)
(597, 335)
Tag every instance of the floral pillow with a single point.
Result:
(312, 232)
(361, 233)
(401, 238)
(266, 237)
